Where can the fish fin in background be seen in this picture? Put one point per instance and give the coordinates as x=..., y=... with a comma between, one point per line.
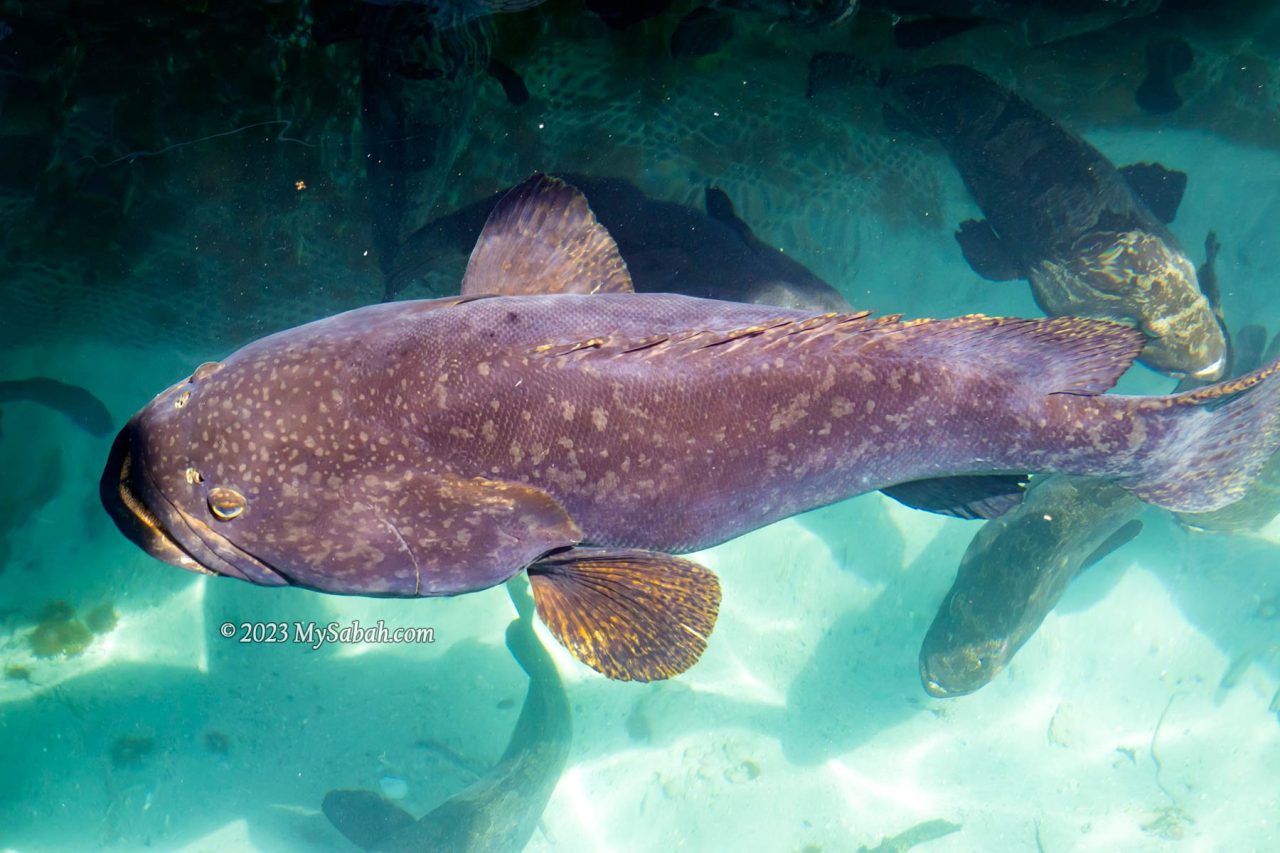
x=513, y=85
x=1220, y=437
x=920, y=33
x=1166, y=59
x=1114, y=542
x=620, y=14
x=969, y=497
x=1273, y=350
x=1160, y=188
x=543, y=238
x=1247, y=347
x=831, y=71
x=364, y=817
x=80, y=405
x=985, y=253
x=1207, y=274
x=632, y=615
x=720, y=208
x=703, y=32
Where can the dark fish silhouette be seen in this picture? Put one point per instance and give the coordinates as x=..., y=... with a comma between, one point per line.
x=449, y=14
x=702, y=32
x=1038, y=22
x=668, y=248
x=581, y=433
x=499, y=812
x=1166, y=59
x=1013, y=573
x=1018, y=566
x=1091, y=239
x=80, y=405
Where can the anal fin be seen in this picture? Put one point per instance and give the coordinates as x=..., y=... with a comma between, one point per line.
x=986, y=254
x=966, y=496
x=632, y=615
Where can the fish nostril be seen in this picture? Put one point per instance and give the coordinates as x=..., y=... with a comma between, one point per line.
x=182, y=399
x=194, y=477
x=225, y=503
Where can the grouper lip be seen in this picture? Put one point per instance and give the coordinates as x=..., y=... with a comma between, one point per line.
x=146, y=515
x=119, y=495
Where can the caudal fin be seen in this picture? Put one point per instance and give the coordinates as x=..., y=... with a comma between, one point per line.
x=1222, y=437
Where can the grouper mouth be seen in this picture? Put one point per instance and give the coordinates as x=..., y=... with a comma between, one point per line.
x=149, y=519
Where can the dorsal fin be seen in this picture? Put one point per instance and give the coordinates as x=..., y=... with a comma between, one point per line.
x=543, y=238
x=1059, y=355
x=720, y=208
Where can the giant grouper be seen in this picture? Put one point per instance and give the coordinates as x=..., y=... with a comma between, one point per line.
x=549, y=420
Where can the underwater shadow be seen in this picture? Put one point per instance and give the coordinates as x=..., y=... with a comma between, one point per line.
x=245, y=752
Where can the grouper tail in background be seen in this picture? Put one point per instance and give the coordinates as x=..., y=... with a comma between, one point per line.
x=1221, y=438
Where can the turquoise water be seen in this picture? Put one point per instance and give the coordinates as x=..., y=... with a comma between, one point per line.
x=179, y=184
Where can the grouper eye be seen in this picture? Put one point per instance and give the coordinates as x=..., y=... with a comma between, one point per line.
x=225, y=503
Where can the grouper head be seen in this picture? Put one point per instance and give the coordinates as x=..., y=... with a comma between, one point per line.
x=276, y=466
x=157, y=494
x=956, y=666
x=1145, y=280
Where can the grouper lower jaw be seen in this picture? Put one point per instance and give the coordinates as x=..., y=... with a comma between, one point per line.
x=120, y=498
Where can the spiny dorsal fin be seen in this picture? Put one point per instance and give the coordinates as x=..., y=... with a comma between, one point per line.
x=784, y=331
x=543, y=238
x=1060, y=355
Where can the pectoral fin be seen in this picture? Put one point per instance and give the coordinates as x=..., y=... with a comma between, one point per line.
x=543, y=238
x=410, y=533
x=974, y=496
x=1160, y=188
x=986, y=252
x=631, y=615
